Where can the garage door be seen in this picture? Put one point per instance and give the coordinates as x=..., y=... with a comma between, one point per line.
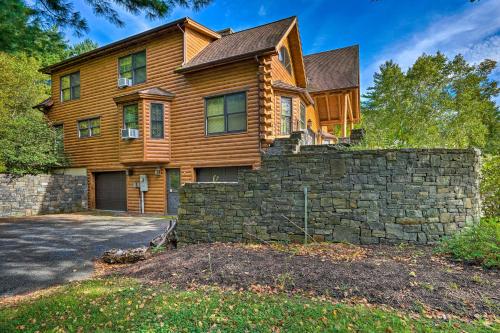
x=110, y=191
x=220, y=174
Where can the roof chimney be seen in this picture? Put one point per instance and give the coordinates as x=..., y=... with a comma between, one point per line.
x=225, y=32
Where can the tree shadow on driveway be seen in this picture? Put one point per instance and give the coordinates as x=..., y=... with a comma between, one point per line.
x=38, y=252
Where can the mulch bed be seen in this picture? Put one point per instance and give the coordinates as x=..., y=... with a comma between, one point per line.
x=409, y=278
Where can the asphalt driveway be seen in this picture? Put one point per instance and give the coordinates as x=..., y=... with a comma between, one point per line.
x=41, y=251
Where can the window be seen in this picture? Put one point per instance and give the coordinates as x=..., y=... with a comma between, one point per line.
x=59, y=139
x=226, y=114
x=286, y=115
x=302, y=119
x=70, y=86
x=133, y=67
x=284, y=57
x=89, y=127
x=157, y=121
x=130, y=116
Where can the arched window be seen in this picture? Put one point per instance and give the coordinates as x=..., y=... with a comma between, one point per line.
x=284, y=57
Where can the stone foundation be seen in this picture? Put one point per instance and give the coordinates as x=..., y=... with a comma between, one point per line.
x=367, y=197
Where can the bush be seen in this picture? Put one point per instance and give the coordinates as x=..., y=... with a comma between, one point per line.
x=490, y=185
x=28, y=146
x=477, y=244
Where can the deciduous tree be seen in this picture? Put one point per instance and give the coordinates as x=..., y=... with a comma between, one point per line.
x=437, y=102
x=27, y=140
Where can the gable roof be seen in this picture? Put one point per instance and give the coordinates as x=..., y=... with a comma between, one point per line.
x=280, y=85
x=153, y=93
x=331, y=70
x=45, y=105
x=132, y=40
x=240, y=45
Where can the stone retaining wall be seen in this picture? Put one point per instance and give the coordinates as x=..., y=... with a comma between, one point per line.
x=368, y=197
x=41, y=194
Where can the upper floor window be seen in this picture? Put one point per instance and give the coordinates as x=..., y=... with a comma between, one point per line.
x=89, y=127
x=70, y=86
x=133, y=67
x=284, y=57
x=157, y=122
x=130, y=116
x=226, y=113
x=302, y=119
x=286, y=115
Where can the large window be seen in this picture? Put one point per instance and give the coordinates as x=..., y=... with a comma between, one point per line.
x=302, y=119
x=226, y=114
x=130, y=116
x=286, y=115
x=157, y=124
x=284, y=57
x=70, y=86
x=89, y=127
x=134, y=67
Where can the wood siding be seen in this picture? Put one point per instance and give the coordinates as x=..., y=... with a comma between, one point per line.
x=155, y=149
x=154, y=198
x=195, y=42
x=186, y=144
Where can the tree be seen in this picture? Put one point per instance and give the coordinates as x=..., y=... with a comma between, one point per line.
x=437, y=102
x=62, y=13
x=20, y=31
x=84, y=46
x=27, y=141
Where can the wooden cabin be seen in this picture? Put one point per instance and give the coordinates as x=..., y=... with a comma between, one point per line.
x=183, y=103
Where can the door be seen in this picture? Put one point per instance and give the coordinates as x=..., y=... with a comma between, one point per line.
x=110, y=191
x=173, y=184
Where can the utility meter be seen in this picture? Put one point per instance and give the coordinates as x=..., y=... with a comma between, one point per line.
x=143, y=183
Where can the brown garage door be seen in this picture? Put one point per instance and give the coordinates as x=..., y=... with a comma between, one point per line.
x=219, y=174
x=110, y=191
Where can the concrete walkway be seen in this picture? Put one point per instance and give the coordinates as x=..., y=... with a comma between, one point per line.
x=37, y=252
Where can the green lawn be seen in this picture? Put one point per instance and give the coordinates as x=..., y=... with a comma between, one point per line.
x=111, y=305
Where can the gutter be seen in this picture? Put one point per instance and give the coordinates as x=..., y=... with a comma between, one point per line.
x=118, y=45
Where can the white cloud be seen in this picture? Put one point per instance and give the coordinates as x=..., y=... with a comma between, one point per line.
x=262, y=11
x=474, y=32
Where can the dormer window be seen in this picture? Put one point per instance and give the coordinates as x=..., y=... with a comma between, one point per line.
x=284, y=58
x=133, y=67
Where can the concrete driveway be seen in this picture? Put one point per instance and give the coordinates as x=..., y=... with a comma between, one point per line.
x=37, y=252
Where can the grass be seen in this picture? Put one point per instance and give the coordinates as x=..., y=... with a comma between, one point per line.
x=118, y=305
x=478, y=244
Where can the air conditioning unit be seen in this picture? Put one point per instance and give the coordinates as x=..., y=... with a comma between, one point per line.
x=124, y=82
x=130, y=133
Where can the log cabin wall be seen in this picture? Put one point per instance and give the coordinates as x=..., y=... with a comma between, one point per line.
x=187, y=145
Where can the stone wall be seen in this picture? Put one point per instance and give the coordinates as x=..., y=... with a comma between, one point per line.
x=41, y=194
x=368, y=197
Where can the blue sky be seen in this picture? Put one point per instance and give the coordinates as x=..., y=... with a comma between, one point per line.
x=385, y=29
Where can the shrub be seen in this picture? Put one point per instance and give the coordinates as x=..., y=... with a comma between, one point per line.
x=490, y=185
x=477, y=244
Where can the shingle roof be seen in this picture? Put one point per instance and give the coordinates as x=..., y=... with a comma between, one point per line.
x=240, y=44
x=45, y=104
x=289, y=87
x=335, y=69
x=156, y=91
